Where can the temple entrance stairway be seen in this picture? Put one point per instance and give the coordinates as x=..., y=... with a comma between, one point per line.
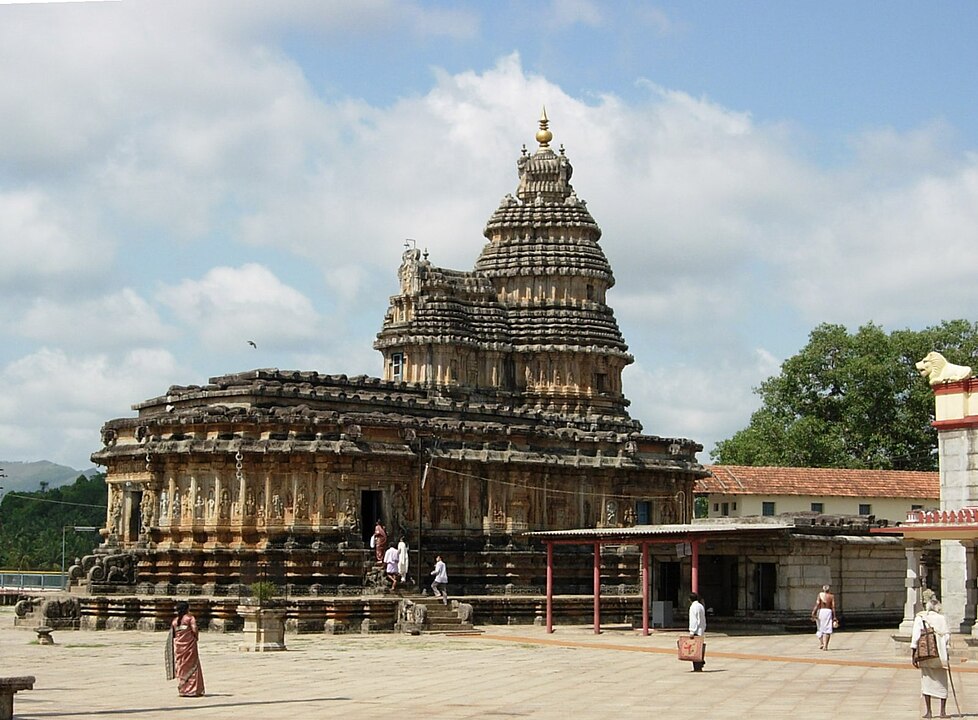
x=441, y=619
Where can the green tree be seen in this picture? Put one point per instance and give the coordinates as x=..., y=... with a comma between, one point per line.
x=851, y=400
x=31, y=524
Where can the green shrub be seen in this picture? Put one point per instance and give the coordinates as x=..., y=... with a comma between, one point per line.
x=263, y=591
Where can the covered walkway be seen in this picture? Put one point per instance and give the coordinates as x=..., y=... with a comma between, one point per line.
x=685, y=537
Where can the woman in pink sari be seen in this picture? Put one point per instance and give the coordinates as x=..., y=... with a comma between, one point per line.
x=185, y=661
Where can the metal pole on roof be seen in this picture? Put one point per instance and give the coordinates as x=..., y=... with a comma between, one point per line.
x=550, y=587
x=597, y=587
x=646, y=576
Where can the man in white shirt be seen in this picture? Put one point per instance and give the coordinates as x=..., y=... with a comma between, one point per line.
x=440, y=584
x=697, y=625
x=390, y=562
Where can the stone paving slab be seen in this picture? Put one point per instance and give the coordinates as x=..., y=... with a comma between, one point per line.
x=509, y=672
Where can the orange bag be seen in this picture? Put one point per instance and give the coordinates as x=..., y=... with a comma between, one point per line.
x=691, y=648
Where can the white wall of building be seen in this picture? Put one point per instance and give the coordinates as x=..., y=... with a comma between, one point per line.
x=890, y=509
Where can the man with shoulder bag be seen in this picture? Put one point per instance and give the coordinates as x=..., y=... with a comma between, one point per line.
x=929, y=645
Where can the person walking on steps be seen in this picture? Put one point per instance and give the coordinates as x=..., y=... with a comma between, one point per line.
x=440, y=584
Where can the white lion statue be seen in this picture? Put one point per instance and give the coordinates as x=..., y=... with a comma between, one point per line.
x=937, y=370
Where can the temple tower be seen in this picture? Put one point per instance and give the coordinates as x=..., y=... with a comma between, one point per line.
x=531, y=321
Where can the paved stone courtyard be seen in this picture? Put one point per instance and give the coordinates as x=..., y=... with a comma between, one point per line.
x=509, y=672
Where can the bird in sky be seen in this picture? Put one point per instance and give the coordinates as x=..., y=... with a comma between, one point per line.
x=252, y=343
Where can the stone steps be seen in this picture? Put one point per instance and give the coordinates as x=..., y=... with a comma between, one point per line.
x=442, y=619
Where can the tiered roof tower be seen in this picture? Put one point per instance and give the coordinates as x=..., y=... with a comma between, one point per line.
x=531, y=320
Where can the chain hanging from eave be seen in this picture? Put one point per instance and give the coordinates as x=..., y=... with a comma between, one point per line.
x=238, y=467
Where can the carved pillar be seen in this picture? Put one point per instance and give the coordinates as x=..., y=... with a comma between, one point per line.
x=911, y=604
x=242, y=487
x=321, y=500
x=218, y=498
x=172, y=493
x=295, y=496
x=194, y=496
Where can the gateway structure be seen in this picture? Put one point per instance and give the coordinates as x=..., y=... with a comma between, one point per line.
x=500, y=411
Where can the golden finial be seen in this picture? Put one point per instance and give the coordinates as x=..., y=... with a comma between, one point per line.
x=544, y=136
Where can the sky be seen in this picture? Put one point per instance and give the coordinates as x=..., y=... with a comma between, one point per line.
x=178, y=178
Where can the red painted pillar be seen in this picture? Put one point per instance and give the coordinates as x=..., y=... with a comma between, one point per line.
x=695, y=580
x=597, y=588
x=550, y=587
x=646, y=576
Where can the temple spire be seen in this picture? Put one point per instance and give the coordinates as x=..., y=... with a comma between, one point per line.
x=544, y=136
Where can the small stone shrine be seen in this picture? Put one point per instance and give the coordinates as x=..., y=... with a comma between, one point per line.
x=500, y=410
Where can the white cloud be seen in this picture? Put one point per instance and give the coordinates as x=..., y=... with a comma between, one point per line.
x=43, y=244
x=656, y=18
x=121, y=319
x=54, y=403
x=899, y=256
x=229, y=306
x=572, y=12
x=705, y=402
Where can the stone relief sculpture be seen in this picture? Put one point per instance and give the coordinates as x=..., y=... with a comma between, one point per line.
x=329, y=500
x=225, y=504
x=176, y=504
x=250, y=504
x=667, y=512
x=278, y=508
x=115, y=512
x=937, y=370
x=164, y=506
x=119, y=568
x=398, y=513
x=351, y=516
x=146, y=505
x=611, y=514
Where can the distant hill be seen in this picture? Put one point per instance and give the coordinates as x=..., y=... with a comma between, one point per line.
x=28, y=476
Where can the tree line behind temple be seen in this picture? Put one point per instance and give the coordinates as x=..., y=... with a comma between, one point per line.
x=31, y=524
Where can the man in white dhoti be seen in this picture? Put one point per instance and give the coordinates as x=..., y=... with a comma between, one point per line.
x=933, y=673
x=824, y=616
x=402, y=559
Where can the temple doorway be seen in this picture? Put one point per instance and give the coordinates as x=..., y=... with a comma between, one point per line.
x=667, y=582
x=371, y=502
x=135, y=516
x=718, y=583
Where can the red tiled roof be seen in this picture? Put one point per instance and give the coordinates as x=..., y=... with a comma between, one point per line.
x=827, y=482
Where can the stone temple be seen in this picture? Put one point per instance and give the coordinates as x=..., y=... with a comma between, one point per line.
x=500, y=410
